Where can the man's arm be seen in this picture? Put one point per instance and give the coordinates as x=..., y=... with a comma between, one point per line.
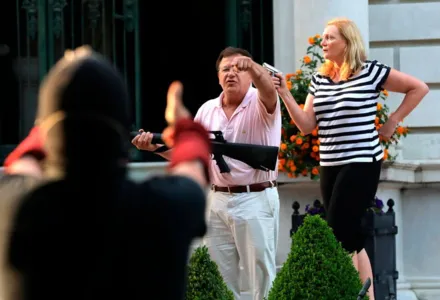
x=261, y=79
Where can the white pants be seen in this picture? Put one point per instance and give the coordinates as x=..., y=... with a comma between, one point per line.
x=243, y=228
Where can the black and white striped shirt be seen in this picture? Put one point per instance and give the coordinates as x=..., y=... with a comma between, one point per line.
x=345, y=113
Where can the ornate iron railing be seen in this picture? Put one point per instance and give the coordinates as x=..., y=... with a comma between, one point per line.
x=46, y=28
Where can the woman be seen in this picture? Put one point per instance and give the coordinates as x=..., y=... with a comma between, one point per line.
x=342, y=101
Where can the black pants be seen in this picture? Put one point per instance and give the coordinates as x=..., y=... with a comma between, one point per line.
x=347, y=192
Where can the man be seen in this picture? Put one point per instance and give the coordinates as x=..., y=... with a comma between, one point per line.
x=243, y=204
x=89, y=232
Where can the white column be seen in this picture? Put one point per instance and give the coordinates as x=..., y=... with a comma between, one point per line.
x=284, y=38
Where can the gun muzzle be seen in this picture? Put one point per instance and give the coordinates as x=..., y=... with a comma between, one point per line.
x=271, y=69
x=157, y=137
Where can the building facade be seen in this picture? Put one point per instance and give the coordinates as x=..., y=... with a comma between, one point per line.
x=406, y=36
x=402, y=34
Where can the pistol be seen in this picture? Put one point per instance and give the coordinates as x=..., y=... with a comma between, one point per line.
x=271, y=69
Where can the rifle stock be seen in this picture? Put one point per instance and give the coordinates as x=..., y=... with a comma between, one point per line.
x=259, y=157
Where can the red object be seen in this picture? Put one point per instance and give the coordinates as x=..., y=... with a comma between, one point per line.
x=31, y=145
x=191, y=142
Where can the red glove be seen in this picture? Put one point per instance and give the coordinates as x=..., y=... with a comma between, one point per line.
x=31, y=145
x=191, y=142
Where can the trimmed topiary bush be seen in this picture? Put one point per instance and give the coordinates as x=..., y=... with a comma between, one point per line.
x=204, y=279
x=317, y=267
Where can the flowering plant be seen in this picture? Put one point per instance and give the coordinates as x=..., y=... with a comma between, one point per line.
x=317, y=208
x=377, y=205
x=299, y=153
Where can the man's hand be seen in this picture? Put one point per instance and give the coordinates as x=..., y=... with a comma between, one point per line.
x=143, y=141
x=242, y=63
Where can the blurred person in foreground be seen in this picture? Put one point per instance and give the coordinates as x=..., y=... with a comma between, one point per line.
x=88, y=232
x=342, y=102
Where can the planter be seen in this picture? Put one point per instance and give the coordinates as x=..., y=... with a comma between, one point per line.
x=381, y=229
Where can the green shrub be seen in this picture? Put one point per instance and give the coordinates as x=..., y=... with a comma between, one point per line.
x=317, y=267
x=204, y=279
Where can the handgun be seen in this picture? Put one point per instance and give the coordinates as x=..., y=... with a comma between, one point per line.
x=271, y=69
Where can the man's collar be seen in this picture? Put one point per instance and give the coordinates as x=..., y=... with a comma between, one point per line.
x=244, y=102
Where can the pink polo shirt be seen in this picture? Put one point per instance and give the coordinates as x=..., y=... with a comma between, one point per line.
x=250, y=124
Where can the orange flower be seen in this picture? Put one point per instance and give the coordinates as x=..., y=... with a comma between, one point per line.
x=315, y=171
x=307, y=59
x=289, y=85
x=317, y=36
x=385, y=154
x=311, y=40
x=283, y=147
x=314, y=132
x=288, y=76
x=299, y=141
x=376, y=121
x=302, y=106
x=315, y=148
x=298, y=72
x=306, y=145
x=292, y=138
x=385, y=92
x=400, y=130
x=379, y=106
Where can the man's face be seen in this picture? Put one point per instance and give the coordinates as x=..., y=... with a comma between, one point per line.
x=231, y=80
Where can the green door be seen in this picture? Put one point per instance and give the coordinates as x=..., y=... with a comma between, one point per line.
x=46, y=28
x=111, y=27
x=249, y=26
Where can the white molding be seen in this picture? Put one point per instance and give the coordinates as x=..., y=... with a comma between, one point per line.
x=411, y=174
x=423, y=282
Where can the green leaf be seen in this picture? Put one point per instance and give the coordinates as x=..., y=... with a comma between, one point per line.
x=204, y=279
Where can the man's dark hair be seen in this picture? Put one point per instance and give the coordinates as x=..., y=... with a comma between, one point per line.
x=229, y=51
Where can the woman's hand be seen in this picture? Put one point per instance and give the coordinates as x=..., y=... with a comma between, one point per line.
x=280, y=83
x=388, y=129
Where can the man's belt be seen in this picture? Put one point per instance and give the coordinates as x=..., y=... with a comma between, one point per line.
x=256, y=187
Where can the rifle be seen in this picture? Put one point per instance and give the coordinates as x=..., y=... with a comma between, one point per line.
x=259, y=157
x=364, y=289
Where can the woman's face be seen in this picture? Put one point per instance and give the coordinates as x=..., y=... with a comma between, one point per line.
x=333, y=44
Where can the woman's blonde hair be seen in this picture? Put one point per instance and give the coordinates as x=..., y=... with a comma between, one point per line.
x=354, y=53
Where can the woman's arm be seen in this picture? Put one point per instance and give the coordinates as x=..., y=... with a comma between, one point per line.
x=414, y=89
x=304, y=119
